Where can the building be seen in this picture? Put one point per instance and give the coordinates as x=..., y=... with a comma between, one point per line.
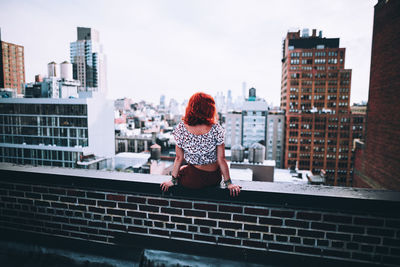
x=88, y=60
x=315, y=93
x=233, y=128
x=12, y=66
x=58, y=84
x=56, y=132
x=254, y=120
x=377, y=163
x=274, y=149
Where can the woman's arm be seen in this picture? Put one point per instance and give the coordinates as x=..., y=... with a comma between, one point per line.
x=234, y=189
x=178, y=161
x=177, y=164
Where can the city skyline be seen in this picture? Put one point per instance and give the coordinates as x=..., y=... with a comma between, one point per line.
x=179, y=48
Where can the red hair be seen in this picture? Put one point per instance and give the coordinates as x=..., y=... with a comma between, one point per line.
x=200, y=110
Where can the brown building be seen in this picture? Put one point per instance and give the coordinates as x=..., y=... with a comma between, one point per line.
x=315, y=93
x=377, y=162
x=12, y=66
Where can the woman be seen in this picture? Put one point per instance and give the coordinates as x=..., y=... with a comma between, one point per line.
x=200, y=141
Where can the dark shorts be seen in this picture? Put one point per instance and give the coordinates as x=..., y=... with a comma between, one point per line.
x=191, y=177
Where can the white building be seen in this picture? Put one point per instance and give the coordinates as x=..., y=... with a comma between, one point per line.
x=233, y=129
x=275, y=137
x=254, y=125
x=56, y=132
x=88, y=60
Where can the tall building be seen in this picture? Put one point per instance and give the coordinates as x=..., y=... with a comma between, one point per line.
x=254, y=120
x=12, y=66
x=377, y=162
x=233, y=128
x=88, y=60
x=56, y=132
x=315, y=94
x=274, y=148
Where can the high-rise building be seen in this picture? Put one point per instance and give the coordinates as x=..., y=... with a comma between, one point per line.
x=12, y=66
x=274, y=148
x=377, y=162
x=56, y=132
x=315, y=93
x=88, y=60
x=233, y=128
x=254, y=120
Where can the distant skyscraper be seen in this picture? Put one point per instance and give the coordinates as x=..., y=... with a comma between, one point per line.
x=244, y=86
x=377, y=164
x=88, y=60
x=315, y=93
x=12, y=66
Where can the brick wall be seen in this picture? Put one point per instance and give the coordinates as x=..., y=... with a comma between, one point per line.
x=381, y=156
x=81, y=208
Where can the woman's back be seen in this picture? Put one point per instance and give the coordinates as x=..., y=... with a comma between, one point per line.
x=199, y=142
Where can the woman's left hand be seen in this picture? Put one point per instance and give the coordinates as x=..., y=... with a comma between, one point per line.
x=234, y=190
x=165, y=185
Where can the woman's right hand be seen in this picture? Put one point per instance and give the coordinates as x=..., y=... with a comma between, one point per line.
x=165, y=185
x=234, y=190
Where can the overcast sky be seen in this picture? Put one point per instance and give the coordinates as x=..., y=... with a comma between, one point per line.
x=178, y=47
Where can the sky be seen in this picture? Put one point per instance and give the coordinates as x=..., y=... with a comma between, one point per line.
x=179, y=47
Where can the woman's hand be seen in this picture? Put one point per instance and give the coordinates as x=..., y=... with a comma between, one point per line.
x=165, y=185
x=234, y=190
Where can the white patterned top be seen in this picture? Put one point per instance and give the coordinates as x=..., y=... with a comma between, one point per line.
x=199, y=149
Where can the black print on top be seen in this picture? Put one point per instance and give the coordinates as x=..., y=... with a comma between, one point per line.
x=199, y=149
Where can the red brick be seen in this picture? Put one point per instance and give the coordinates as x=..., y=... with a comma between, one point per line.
x=158, y=217
x=201, y=206
x=129, y=206
x=158, y=202
x=133, y=199
x=171, y=211
x=181, y=204
x=244, y=218
x=256, y=211
x=308, y=250
x=194, y=213
x=205, y=222
x=270, y=221
x=282, y=213
x=228, y=208
x=229, y=225
x=121, y=198
x=217, y=215
x=149, y=208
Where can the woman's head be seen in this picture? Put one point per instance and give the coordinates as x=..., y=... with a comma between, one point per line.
x=200, y=110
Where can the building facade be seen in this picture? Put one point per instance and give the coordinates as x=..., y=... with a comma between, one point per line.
x=315, y=94
x=254, y=120
x=12, y=66
x=274, y=149
x=88, y=60
x=55, y=132
x=233, y=128
x=377, y=162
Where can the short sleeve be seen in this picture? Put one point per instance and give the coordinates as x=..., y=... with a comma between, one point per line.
x=219, y=134
x=177, y=133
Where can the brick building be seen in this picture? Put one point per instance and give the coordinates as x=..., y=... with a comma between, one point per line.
x=377, y=162
x=12, y=66
x=315, y=93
